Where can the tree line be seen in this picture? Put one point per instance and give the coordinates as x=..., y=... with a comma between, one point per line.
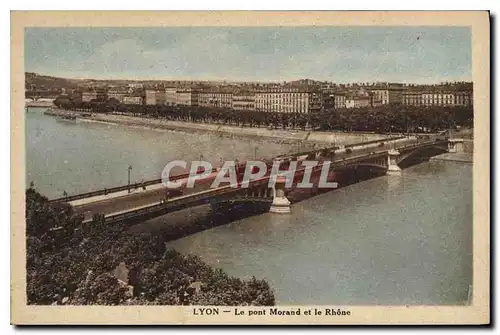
x=386, y=118
x=69, y=263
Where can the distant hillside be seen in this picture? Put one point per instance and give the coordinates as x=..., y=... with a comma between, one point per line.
x=42, y=83
x=47, y=82
x=38, y=82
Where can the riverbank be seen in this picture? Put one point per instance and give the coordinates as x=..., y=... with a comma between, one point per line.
x=459, y=157
x=275, y=135
x=39, y=104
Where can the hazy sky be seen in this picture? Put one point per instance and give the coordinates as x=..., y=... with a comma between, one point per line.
x=339, y=54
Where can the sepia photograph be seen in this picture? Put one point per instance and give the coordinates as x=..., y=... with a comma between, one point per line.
x=246, y=167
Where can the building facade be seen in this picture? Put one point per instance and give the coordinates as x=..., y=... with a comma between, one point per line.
x=357, y=101
x=186, y=97
x=88, y=96
x=334, y=100
x=102, y=94
x=160, y=97
x=463, y=99
x=116, y=95
x=376, y=101
x=150, y=97
x=243, y=101
x=339, y=101
x=135, y=85
x=381, y=95
x=388, y=94
x=170, y=96
x=220, y=99
x=288, y=100
x=412, y=98
x=438, y=99
x=445, y=98
x=99, y=94
x=134, y=100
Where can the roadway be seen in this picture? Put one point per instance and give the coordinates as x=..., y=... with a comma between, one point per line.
x=123, y=200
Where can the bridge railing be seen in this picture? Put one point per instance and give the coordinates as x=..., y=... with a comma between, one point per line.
x=336, y=147
x=118, y=189
x=158, y=181
x=422, y=143
x=206, y=194
x=185, y=200
x=181, y=200
x=379, y=153
x=375, y=141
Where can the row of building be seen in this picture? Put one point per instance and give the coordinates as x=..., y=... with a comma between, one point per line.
x=438, y=98
x=397, y=95
x=281, y=100
x=291, y=100
x=303, y=99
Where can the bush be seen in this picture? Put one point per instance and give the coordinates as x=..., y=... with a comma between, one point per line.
x=73, y=265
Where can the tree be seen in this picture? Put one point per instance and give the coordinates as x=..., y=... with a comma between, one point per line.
x=384, y=118
x=102, y=289
x=61, y=101
x=72, y=263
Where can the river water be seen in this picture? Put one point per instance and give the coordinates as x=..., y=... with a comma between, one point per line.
x=82, y=156
x=389, y=240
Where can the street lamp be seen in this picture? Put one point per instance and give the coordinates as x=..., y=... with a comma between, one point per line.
x=129, y=169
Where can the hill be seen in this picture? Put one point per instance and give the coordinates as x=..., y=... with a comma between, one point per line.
x=40, y=82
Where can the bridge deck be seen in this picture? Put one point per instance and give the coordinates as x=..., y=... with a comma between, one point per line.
x=114, y=195
x=153, y=197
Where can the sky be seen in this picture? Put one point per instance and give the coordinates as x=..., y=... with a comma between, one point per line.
x=338, y=54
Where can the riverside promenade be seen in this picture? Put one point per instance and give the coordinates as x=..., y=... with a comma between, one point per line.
x=274, y=135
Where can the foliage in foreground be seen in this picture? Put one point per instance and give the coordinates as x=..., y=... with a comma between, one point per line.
x=68, y=263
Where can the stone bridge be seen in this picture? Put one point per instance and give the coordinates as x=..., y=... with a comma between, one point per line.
x=386, y=157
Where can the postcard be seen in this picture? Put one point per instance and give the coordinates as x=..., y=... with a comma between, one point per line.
x=238, y=168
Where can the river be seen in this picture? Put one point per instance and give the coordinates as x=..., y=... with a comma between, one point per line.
x=389, y=240
x=82, y=156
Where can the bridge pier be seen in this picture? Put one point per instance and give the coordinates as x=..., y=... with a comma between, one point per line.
x=280, y=203
x=392, y=167
x=456, y=145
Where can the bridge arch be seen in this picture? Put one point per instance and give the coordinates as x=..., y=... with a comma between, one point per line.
x=373, y=165
x=378, y=162
x=433, y=149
